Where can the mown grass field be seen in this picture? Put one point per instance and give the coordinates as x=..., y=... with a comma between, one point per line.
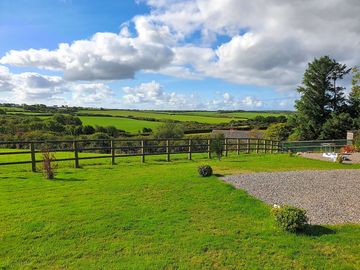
x=163, y=116
x=250, y=115
x=127, y=124
x=234, y=115
x=11, y=109
x=158, y=215
x=210, y=117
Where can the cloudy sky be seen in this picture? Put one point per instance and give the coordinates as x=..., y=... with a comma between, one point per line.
x=169, y=54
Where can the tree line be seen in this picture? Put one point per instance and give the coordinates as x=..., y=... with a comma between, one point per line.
x=57, y=127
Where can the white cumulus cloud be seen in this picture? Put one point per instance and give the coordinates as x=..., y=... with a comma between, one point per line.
x=106, y=56
x=226, y=101
x=92, y=94
x=31, y=87
x=269, y=42
x=152, y=93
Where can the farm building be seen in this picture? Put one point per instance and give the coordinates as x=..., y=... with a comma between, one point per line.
x=233, y=133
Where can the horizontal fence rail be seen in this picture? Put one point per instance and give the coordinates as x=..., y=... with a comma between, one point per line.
x=117, y=148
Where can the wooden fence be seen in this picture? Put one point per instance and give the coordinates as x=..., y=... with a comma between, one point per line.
x=117, y=148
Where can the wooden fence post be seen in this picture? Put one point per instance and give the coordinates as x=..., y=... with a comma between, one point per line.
x=247, y=146
x=33, y=158
x=112, y=145
x=257, y=145
x=142, y=151
x=167, y=150
x=189, y=149
x=76, y=154
x=226, y=147
x=209, y=148
x=271, y=146
x=265, y=146
x=238, y=146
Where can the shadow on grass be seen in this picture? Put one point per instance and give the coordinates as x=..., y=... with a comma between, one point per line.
x=218, y=175
x=316, y=230
x=13, y=178
x=235, y=161
x=67, y=179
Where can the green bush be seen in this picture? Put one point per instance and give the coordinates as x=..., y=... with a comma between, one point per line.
x=357, y=141
x=290, y=218
x=169, y=130
x=205, y=170
x=277, y=132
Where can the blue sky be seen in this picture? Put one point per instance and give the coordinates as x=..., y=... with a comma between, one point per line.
x=44, y=24
x=166, y=54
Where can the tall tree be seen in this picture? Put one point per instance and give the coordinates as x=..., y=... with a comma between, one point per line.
x=354, y=96
x=319, y=96
x=336, y=92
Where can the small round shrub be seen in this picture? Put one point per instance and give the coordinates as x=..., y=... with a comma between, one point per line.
x=205, y=170
x=290, y=218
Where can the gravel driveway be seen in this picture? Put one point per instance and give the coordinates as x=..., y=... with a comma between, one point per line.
x=330, y=197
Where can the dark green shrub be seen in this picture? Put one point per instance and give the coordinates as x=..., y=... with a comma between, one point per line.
x=290, y=218
x=357, y=141
x=88, y=130
x=169, y=130
x=205, y=170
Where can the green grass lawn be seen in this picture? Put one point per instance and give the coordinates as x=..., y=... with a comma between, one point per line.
x=158, y=215
x=129, y=125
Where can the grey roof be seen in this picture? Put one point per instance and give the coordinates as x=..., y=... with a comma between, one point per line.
x=233, y=133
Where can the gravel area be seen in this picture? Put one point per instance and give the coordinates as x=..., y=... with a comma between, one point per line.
x=330, y=197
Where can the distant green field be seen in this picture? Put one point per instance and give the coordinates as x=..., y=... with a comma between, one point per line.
x=11, y=109
x=164, y=116
x=240, y=115
x=251, y=115
x=129, y=125
x=208, y=117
